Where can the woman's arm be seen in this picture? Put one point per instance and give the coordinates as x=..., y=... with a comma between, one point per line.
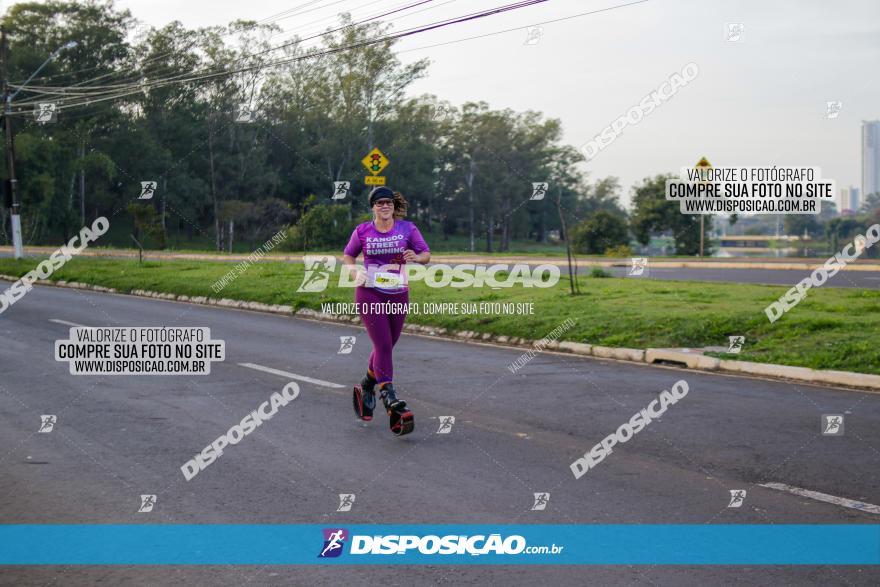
x=411, y=256
x=417, y=242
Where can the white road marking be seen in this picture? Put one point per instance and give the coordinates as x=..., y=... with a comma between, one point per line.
x=841, y=501
x=65, y=322
x=289, y=375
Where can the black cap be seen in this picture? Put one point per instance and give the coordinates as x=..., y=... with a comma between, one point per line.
x=379, y=193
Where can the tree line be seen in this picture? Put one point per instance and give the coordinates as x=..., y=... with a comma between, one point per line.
x=242, y=131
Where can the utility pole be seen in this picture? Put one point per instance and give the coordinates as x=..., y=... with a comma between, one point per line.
x=12, y=182
x=702, y=232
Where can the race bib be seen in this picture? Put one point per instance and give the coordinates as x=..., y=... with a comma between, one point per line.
x=387, y=280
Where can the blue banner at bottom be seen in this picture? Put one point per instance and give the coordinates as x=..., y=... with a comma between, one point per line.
x=248, y=544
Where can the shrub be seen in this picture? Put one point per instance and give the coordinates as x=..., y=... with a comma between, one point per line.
x=599, y=232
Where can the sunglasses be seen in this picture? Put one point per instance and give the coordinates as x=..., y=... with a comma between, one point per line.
x=383, y=203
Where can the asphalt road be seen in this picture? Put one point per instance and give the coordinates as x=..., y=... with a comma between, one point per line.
x=118, y=437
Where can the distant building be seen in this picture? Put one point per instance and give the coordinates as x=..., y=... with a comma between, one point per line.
x=870, y=158
x=848, y=201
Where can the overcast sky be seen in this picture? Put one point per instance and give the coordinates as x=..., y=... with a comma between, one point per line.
x=760, y=101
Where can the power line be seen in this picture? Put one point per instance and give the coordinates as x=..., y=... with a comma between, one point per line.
x=137, y=88
x=265, y=22
x=128, y=89
x=181, y=78
x=598, y=10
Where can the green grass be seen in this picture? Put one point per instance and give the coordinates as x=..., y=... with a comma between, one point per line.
x=833, y=328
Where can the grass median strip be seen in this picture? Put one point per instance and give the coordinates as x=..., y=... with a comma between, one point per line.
x=833, y=328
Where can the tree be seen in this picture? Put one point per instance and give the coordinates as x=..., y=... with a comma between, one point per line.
x=322, y=226
x=798, y=224
x=840, y=229
x=146, y=223
x=160, y=106
x=653, y=214
x=53, y=191
x=600, y=232
x=871, y=204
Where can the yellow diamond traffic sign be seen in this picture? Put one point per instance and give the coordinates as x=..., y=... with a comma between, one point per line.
x=701, y=167
x=375, y=162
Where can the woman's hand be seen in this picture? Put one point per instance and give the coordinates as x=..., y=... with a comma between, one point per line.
x=357, y=274
x=411, y=256
x=360, y=277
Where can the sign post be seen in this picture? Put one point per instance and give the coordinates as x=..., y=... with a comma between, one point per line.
x=701, y=166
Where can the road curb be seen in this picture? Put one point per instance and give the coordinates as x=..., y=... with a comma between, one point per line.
x=691, y=360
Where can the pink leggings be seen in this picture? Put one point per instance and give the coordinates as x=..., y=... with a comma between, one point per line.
x=384, y=328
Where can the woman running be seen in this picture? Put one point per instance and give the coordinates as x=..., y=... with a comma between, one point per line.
x=388, y=243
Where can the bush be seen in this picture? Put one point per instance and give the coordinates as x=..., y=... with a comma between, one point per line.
x=599, y=272
x=598, y=233
x=323, y=226
x=619, y=251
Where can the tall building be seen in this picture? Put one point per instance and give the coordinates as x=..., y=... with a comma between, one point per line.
x=870, y=157
x=848, y=200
